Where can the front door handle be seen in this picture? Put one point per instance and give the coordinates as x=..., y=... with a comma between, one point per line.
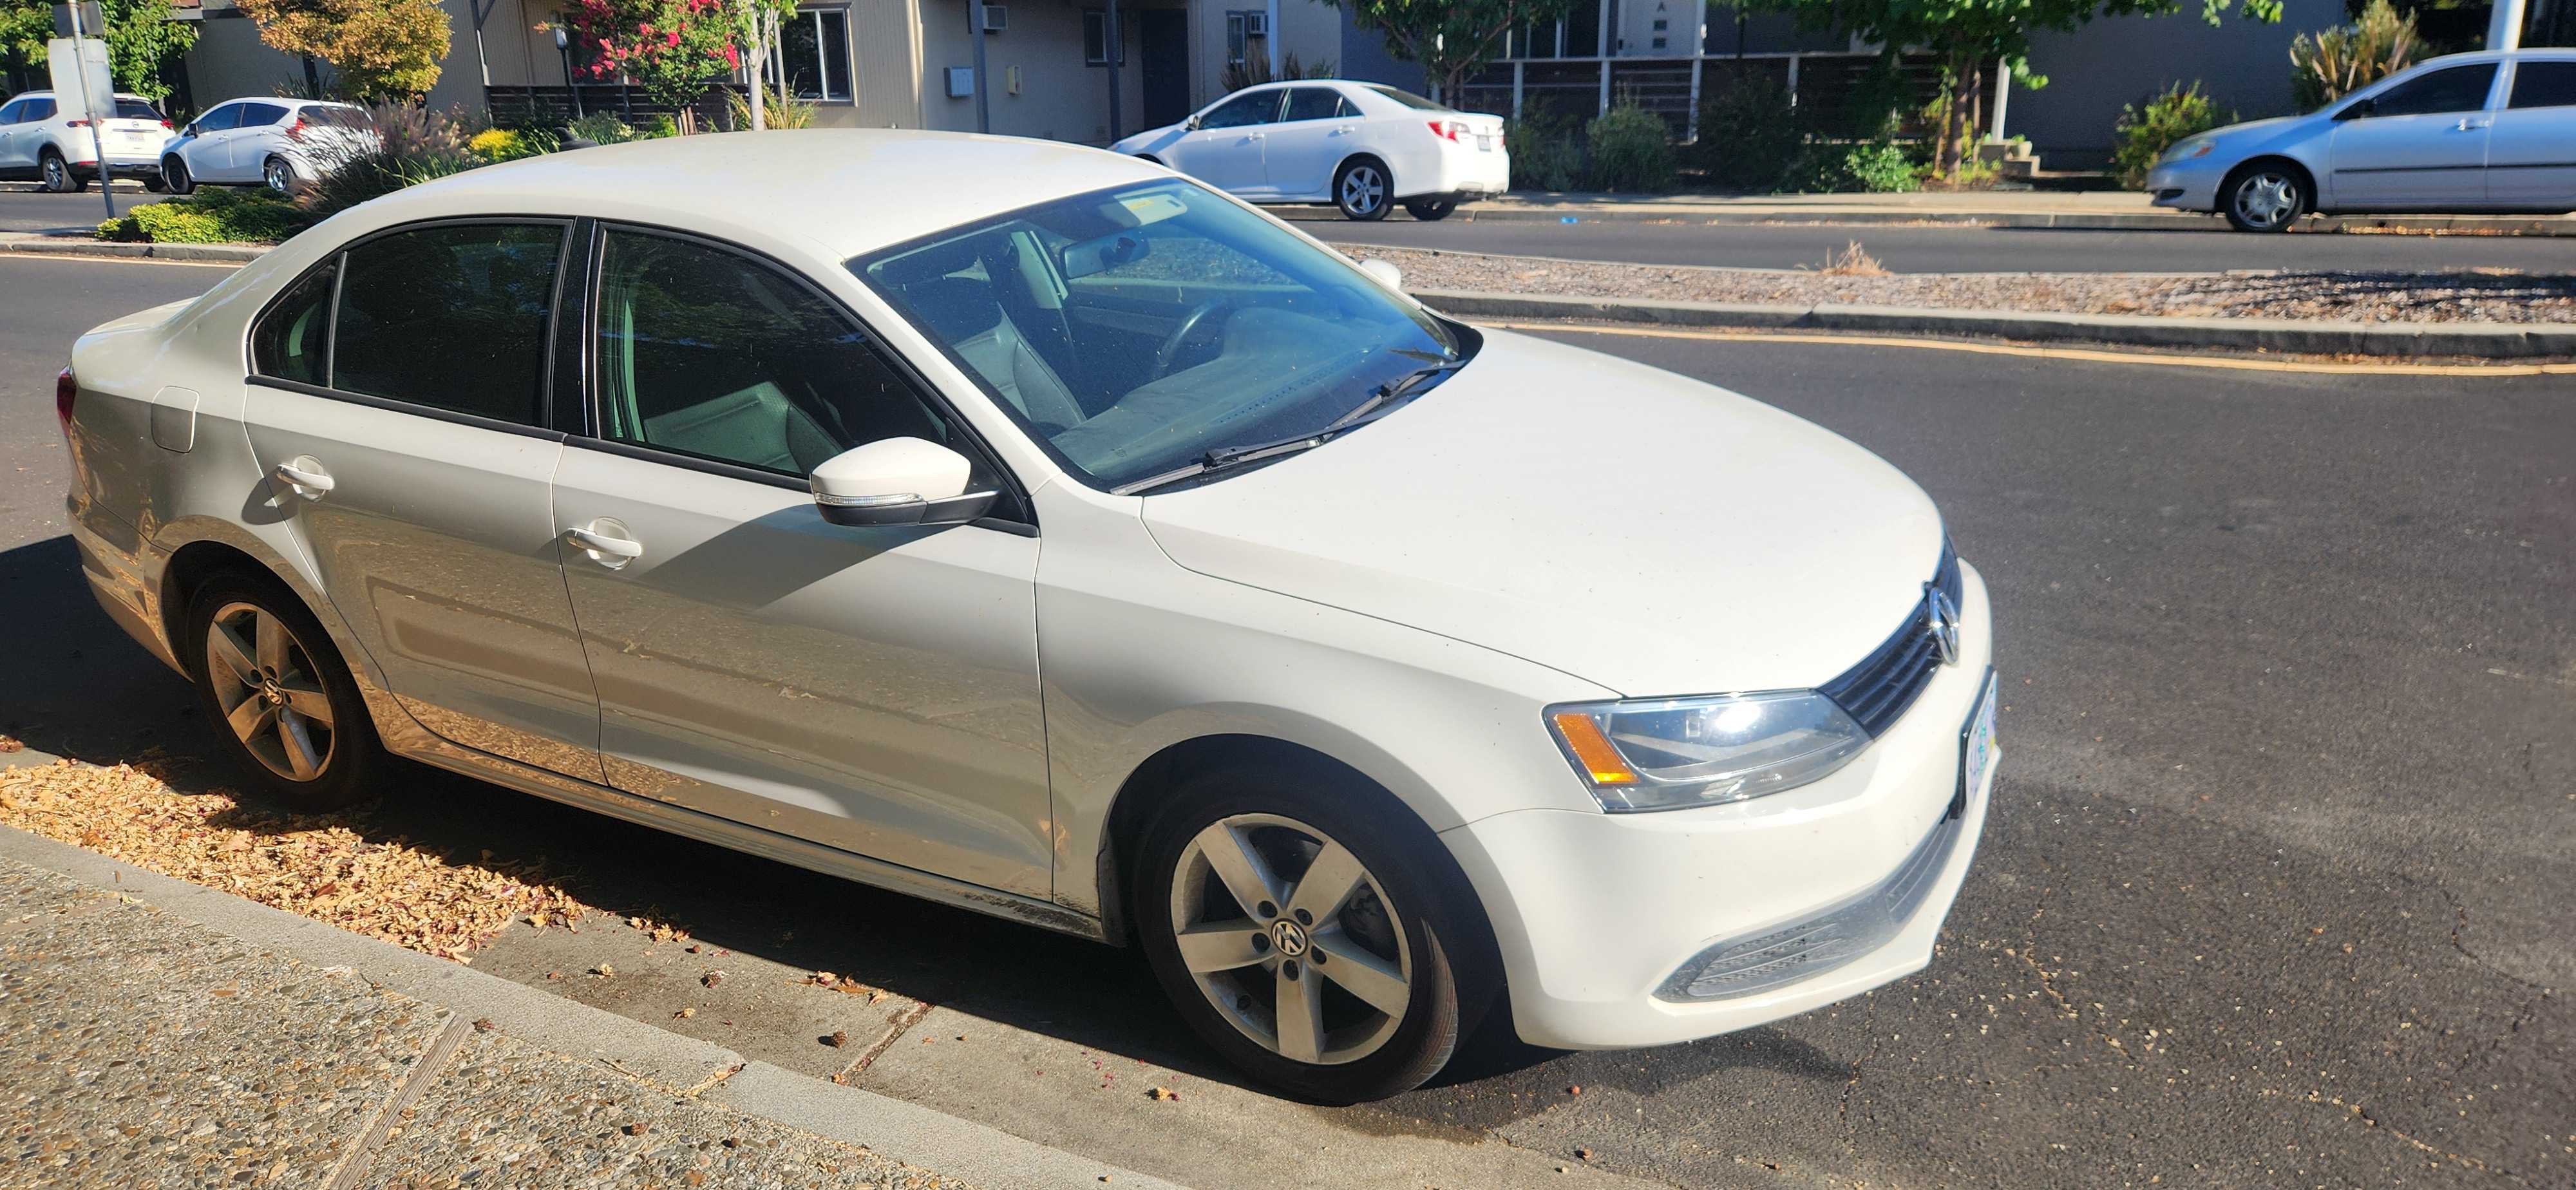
x=606, y=542
x=304, y=474
x=2469, y=125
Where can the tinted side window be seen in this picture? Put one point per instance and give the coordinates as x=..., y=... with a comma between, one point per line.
x=2544, y=84
x=1244, y=110
x=713, y=354
x=222, y=117
x=38, y=110
x=1313, y=103
x=9, y=111
x=292, y=343
x=2457, y=89
x=450, y=317
x=259, y=115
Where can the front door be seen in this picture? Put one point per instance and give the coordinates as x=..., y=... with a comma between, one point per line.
x=205, y=153
x=1225, y=150
x=13, y=161
x=2420, y=145
x=2531, y=155
x=870, y=689
x=1165, y=59
x=1315, y=131
x=404, y=442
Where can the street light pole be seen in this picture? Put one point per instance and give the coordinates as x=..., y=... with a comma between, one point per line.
x=563, y=49
x=89, y=106
x=975, y=29
x=1109, y=33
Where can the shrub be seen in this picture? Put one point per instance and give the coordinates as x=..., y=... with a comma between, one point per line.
x=214, y=215
x=411, y=146
x=2143, y=134
x=602, y=128
x=1254, y=70
x=778, y=109
x=1632, y=150
x=502, y=144
x=2337, y=62
x=1547, y=151
x=1747, y=136
x=1876, y=166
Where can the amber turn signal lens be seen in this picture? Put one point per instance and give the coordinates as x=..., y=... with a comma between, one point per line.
x=1600, y=760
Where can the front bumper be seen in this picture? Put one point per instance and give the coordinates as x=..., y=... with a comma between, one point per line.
x=2186, y=185
x=1593, y=912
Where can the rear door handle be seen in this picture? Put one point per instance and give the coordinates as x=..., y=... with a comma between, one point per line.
x=305, y=475
x=606, y=542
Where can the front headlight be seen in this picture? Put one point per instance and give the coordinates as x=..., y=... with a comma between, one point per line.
x=1663, y=754
x=2188, y=148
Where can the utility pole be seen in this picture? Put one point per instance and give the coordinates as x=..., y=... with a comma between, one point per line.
x=1109, y=33
x=89, y=106
x=975, y=29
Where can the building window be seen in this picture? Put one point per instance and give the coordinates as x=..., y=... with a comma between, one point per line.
x=1095, y=39
x=1234, y=39
x=812, y=60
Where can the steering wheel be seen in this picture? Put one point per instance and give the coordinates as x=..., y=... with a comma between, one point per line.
x=1171, y=348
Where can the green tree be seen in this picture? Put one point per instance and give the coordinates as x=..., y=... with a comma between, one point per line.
x=384, y=50
x=1452, y=40
x=141, y=39
x=1965, y=35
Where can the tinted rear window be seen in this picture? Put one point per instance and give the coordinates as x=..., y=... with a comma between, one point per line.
x=136, y=109
x=2544, y=84
x=452, y=317
x=1411, y=100
x=338, y=117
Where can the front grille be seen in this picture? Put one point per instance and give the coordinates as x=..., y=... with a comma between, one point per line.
x=1879, y=689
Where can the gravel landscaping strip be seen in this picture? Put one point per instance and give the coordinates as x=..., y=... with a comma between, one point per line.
x=2475, y=296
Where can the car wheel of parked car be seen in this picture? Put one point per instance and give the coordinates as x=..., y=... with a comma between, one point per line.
x=1430, y=210
x=277, y=694
x=1362, y=190
x=57, y=175
x=1309, y=940
x=279, y=176
x=174, y=175
x=2265, y=196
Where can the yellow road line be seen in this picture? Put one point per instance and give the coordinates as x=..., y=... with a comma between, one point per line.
x=2086, y=355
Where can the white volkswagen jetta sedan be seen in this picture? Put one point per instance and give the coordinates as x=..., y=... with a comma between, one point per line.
x=1362, y=147
x=2468, y=132
x=1086, y=548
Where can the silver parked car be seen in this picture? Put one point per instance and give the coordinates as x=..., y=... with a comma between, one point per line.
x=2489, y=131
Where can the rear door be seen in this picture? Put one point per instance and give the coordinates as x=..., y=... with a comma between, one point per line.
x=870, y=689
x=2420, y=145
x=1316, y=129
x=246, y=148
x=2531, y=154
x=398, y=411
x=1225, y=150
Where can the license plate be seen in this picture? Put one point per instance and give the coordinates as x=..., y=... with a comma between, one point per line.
x=1976, y=746
x=1484, y=144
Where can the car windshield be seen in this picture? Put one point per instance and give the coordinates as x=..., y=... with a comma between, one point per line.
x=1135, y=330
x=1411, y=100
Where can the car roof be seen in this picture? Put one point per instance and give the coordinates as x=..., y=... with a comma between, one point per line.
x=47, y=93
x=848, y=191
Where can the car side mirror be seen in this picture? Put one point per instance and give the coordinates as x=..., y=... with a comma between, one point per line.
x=1384, y=274
x=898, y=481
x=1190, y=125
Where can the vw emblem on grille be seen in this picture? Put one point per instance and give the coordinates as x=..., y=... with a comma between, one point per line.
x=1941, y=619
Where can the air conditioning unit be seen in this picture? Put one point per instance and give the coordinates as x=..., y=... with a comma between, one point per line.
x=1256, y=24
x=997, y=17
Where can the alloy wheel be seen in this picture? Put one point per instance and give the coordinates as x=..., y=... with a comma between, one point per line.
x=276, y=175
x=2267, y=199
x=1291, y=938
x=58, y=176
x=269, y=691
x=1363, y=189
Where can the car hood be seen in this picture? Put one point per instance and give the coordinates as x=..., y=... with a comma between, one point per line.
x=1150, y=140
x=1637, y=529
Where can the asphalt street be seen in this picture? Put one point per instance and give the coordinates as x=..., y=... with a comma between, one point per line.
x=2277, y=891
x=1961, y=249
x=25, y=208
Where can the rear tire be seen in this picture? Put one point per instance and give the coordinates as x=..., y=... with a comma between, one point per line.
x=1405, y=934
x=155, y=184
x=1363, y=191
x=277, y=695
x=57, y=174
x=174, y=175
x=277, y=175
x=1430, y=210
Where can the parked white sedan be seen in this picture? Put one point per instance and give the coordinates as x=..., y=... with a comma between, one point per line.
x=1084, y=547
x=2468, y=132
x=1360, y=146
x=265, y=142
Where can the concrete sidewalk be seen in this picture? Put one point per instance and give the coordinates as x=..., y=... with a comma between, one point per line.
x=155, y=1032
x=2094, y=210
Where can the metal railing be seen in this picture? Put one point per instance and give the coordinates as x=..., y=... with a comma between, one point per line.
x=1672, y=87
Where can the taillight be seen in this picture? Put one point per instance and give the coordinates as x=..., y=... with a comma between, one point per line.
x=65, y=389
x=165, y=124
x=76, y=124
x=1448, y=129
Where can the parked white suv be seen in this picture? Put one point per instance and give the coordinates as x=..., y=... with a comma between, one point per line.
x=264, y=142
x=1360, y=146
x=39, y=142
x=1072, y=543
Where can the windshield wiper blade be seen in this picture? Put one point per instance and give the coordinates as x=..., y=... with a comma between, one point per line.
x=1222, y=457
x=1391, y=390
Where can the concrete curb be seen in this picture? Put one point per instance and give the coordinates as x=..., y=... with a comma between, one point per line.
x=2064, y=220
x=920, y=1136
x=2293, y=336
x=45, y=245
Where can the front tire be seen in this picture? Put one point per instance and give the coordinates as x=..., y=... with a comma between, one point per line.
x=174, y=174
x=2264, y=197
x=278, y=696
x=1317, y=942
x=1430, y=210
x=1363, y=190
